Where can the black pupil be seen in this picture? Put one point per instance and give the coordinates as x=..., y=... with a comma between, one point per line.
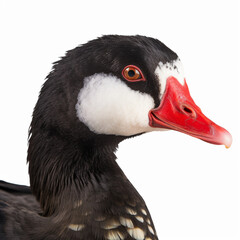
x=131, y=73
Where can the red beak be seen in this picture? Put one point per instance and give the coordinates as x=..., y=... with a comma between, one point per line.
x=178, y=111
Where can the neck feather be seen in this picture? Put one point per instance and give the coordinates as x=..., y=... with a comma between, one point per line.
x=62, y=171
x=80, y=187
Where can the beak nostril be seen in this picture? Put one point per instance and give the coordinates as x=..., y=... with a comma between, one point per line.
x=187, y=110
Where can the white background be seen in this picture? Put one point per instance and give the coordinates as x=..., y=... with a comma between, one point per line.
x=190, y=187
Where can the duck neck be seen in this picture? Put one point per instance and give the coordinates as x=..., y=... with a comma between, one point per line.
x=64, y=173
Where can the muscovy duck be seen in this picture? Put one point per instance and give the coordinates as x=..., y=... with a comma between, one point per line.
x=99, y=94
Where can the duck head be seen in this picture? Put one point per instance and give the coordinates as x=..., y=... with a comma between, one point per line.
x=122, y=86
x=140, y=87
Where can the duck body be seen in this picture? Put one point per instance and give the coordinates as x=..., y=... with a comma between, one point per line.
x=98, y=203
x=107, y=207
x=99, y=94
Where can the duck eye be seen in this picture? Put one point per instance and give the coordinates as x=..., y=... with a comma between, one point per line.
x=132, y=73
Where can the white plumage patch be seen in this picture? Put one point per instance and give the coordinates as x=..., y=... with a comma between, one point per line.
x=131, y=211
x=148, y=221
x=140, y=219
x=108, y=106
x=126, y=222
x=144, y=211
x=111, y=224
x=150, y=229
x=76, y=227
x=114, y=235
x=136, y=233
x=168, y=69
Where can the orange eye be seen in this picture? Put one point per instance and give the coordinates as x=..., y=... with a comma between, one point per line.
x=132, y=73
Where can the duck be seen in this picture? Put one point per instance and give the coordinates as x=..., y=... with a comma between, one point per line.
x=100, y=93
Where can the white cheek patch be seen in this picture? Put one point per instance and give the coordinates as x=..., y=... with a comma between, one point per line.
x=108, y=106
x=168, y=69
